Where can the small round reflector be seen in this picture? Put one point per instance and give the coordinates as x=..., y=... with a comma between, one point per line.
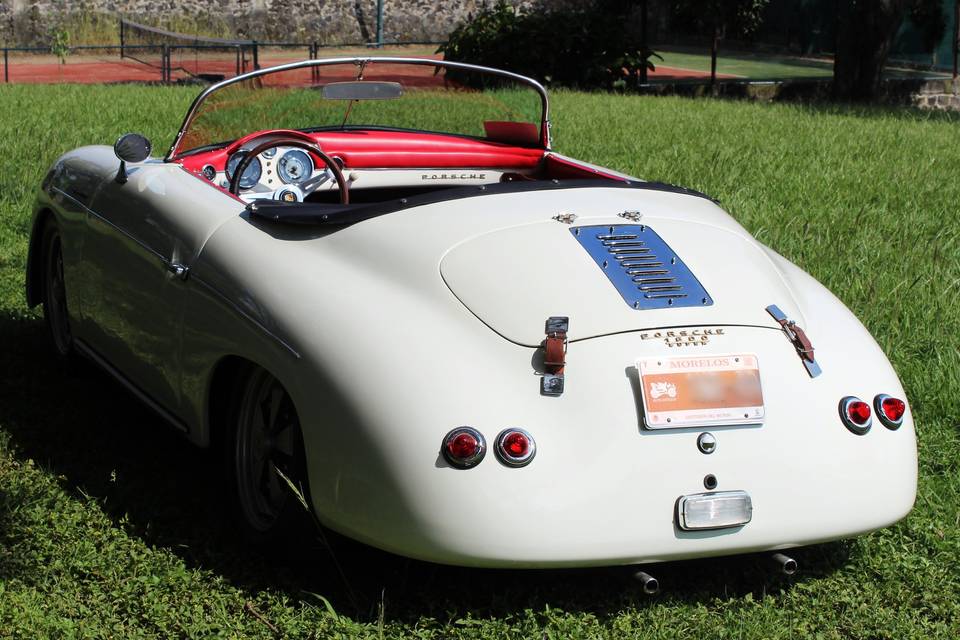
x=515, y=447
x=856, y=415
x=889, y=410
x=464, y=447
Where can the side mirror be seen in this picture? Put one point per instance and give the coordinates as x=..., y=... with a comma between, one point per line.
x=130, y=147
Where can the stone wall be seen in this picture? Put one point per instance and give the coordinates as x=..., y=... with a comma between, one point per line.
x=28, y=22
x=942, y=95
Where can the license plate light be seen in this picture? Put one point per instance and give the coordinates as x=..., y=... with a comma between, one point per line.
x=717, y=510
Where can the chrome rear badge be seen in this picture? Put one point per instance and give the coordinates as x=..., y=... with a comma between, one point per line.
x=684, y=337
x=453, y=176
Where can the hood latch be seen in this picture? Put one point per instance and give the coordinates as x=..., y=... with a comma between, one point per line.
x=554, y=355
x=799, y=338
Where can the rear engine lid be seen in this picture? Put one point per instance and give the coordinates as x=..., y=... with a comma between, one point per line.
x=615, y=278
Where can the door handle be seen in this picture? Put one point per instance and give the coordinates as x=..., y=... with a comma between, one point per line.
x=180, y=271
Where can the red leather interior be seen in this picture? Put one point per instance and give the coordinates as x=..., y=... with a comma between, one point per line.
x=393, y=149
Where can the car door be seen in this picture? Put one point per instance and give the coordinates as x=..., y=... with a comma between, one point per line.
x=142, y=237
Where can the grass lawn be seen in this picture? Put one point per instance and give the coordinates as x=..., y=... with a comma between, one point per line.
x=112, y=527
x=766, y=67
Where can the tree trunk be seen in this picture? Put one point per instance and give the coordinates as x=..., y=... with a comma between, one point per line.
x=643, y=41
x=956, y=37
x=713, y=59
x=865, y=32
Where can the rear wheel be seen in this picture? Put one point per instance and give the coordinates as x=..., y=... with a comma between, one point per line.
x=265, y=446
x=55, y=311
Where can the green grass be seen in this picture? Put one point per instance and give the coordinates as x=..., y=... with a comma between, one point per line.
x=111, y=525
x=765, y=67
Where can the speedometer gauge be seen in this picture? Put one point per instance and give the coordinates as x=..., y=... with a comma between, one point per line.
x=251, y=175
x=294, y=166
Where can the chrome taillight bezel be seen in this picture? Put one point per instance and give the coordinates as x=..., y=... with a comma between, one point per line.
x=463, y=463
x=893, y=425
x=859, y=429
x=510, y=460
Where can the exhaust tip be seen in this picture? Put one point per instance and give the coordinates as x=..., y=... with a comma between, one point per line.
x=788, y=566
x=647, y=582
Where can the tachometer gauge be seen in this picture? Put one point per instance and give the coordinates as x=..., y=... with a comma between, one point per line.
x=294, y=166
x=251, y=175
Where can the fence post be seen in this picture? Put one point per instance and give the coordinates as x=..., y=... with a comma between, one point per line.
x=256, y=56
x=121, y=37
x=6, y=65
x=165, y=63
x=379, y=24
x=238, y=60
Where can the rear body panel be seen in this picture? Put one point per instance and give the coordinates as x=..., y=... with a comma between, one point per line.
x=391, y=332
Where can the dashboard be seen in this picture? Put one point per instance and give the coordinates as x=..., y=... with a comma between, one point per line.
x=370, y=160
x=278, y=173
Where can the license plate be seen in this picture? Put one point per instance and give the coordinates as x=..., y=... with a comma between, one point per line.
x=694, y=391
x=718, y=510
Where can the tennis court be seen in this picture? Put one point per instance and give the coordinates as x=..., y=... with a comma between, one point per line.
x=756, y=66
x=110, y=68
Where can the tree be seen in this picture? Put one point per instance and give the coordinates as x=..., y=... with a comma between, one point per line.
x=60, y=46
x=721, y=19
x=865, y=33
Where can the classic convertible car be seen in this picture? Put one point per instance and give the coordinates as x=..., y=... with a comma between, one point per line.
x=373, y=277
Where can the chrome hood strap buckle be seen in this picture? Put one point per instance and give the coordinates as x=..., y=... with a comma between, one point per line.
x=798, y=338
x=554, y=355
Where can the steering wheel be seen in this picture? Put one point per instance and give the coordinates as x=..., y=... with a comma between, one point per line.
x=289, y=141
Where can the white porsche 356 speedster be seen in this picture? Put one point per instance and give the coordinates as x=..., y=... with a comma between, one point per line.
x=374, y=277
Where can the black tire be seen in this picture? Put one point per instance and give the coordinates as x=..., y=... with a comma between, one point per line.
x=263, y=436
x=55, y=311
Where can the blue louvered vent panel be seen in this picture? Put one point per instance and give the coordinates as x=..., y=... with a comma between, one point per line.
x=643, y=268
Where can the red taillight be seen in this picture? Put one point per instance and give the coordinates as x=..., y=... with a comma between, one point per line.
x=859, y=412
x=464, y=447
x=856, y=414
x=890, y=410
x=515, y=447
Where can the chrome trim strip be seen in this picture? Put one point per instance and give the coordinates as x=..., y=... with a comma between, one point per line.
x=244, y=314
x=641, y=261
x=624, y=243
x=321, y=62
x=88, y=352
x=653, y=288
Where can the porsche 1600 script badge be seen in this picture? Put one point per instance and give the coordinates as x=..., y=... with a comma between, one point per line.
x=700, y=390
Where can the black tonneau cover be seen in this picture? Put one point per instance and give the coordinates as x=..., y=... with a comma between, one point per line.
x=318, y=213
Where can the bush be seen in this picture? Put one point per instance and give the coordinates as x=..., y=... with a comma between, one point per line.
x=585, y=47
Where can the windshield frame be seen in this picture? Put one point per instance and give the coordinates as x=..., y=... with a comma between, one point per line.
x=172, y=154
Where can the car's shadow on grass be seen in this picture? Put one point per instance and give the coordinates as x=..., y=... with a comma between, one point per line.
x=78, y=424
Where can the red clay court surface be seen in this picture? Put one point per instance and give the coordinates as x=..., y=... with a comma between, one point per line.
x=111, y=69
